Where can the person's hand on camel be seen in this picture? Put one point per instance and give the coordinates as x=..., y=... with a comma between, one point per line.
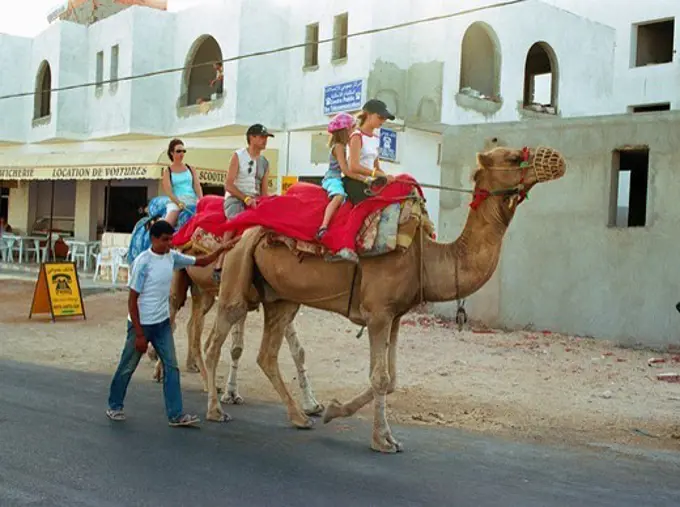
x=250, y=202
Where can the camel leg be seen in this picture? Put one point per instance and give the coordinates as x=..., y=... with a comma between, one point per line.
x=231, y=395
x=309, y=404
x=382, y=383
x=178, y=296
x=277, y=316
x=195, y=330
x=380, y=332
x=224, y=321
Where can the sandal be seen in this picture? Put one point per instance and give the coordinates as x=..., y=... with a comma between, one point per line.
x=321, y=232
x=115, y=415
x=184, y=420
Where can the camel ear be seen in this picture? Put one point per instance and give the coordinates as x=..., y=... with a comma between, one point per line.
x=484, y=160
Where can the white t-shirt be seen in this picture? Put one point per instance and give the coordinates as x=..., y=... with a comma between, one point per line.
x=151, y=277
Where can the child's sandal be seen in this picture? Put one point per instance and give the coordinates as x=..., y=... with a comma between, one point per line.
x=321, y=232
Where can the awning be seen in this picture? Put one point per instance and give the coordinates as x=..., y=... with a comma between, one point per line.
x=211, y=164
x=118, y=164
x=83, y=165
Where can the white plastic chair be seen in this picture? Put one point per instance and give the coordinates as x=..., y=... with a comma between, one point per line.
x=106, y=257
x=76, y=252
x=6, y=250
x=120, y=255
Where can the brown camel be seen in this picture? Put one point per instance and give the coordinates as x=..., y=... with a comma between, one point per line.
x=203, y=294
x=377, y=291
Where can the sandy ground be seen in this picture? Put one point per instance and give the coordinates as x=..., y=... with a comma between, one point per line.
x=534, y=386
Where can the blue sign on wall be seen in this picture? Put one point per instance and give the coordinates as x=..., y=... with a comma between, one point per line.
x=343, y=97
x=388, y=144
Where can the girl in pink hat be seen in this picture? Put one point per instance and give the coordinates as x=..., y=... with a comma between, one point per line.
x=339, y=128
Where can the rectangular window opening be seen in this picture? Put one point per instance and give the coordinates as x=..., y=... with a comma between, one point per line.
x=115, y=50
x=654, y=43
x=99, y=79
x=629, y=188
x=340, y=32
x=312, y=47
x=649, y=108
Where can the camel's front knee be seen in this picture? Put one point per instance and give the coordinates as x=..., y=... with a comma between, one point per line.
x=380, y=381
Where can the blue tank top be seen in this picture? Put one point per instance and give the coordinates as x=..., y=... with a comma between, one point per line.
x=182, y=183
x=333, y=166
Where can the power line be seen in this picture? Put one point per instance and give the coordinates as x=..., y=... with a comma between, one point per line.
x=269, y=51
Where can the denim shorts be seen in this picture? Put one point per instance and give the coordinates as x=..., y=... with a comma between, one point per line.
x=233, y=206
x=334, y=187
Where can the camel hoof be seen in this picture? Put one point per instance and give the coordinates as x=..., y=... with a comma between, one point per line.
x=307, y=424
x=192, y=368
x=232, y=399
x=315, y=411
x=387, y=445
x=332, y=411
x=221, y=417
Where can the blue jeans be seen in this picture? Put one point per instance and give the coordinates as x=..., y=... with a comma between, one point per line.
x=160, y=336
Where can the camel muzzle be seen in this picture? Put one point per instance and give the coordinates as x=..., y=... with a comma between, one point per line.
x=548, y=164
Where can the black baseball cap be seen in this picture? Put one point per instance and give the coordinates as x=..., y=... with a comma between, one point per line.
x=379, y=107
x=258, y=130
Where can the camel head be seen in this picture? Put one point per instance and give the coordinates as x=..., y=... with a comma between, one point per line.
x=513, y=172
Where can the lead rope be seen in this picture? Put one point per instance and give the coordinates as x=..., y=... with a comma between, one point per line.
x=461, y=314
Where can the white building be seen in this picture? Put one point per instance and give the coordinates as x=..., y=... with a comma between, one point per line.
x=477, y=68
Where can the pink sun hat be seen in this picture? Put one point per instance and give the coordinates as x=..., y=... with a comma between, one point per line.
x=341, y=121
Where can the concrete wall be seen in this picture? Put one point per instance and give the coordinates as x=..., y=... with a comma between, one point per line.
x=562, y=266
x=15, y=54
x=109, y=106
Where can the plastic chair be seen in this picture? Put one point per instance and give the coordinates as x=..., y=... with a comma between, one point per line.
x=120, y=255
x=106, y=257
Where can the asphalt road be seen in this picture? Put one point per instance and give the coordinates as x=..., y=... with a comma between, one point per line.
x=57, y=448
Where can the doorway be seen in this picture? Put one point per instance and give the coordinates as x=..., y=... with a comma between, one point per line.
x=125, y=207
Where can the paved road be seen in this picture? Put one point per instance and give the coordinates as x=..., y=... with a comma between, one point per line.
x=58, y=449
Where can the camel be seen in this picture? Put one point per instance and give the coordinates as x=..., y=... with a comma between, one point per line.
x=377, y=291
x=203, y=294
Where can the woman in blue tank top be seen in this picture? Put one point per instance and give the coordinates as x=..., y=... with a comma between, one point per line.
x=180, y=183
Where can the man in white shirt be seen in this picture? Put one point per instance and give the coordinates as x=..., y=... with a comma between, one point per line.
x=149, y=321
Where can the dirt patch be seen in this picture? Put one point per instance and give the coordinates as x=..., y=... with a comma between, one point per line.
x=531, y=385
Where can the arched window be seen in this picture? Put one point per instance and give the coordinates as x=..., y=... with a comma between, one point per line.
x=201, y=83
x=541, y=78
x=480, y=64
x=43, y=91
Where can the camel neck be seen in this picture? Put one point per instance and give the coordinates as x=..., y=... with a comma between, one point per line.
x=456, y=270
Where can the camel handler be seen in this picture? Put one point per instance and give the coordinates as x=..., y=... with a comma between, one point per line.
x=246, y=180
x=149, y=321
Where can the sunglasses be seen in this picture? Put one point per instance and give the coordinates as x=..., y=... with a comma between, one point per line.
x=180, y=151
x=250, y=167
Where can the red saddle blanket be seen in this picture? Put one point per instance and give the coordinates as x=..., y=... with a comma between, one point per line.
x=297, y=214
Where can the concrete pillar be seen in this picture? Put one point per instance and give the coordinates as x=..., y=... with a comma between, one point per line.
x=22, y=207
x=86, y=211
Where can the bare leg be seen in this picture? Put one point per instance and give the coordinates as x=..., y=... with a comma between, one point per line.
x=277, y=316
x=171, y=217
x=332, y=207
x=231, y=395
x=309, y=403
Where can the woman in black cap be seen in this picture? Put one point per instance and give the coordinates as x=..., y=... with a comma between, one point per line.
x=364, y=144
